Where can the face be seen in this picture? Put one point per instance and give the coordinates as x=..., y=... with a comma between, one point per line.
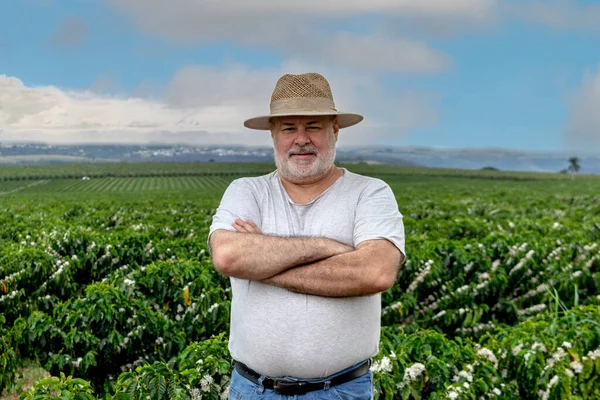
x=304, y=146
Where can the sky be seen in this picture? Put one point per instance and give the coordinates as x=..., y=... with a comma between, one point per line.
x=447, y=74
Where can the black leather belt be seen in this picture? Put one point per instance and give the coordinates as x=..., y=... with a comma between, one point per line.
x=289, y=387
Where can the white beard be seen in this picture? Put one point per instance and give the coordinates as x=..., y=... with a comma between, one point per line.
x=305, y=170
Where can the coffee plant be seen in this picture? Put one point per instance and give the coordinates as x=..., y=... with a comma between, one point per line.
x=117, y=298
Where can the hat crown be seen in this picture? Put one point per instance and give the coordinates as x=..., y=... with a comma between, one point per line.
x=307, y=94
x=309, y=85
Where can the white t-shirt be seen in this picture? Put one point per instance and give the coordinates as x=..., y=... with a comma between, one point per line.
x=278, y=332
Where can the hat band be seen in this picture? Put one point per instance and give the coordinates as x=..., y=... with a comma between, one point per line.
x=317, y=104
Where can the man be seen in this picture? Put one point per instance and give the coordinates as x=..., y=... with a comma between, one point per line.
x=308, y=248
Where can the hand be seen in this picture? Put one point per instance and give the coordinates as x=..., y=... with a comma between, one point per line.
x=245, y=226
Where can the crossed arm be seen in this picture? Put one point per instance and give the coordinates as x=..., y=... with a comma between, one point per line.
x=317, y=266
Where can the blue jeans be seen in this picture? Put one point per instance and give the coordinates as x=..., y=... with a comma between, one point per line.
x=360, y=388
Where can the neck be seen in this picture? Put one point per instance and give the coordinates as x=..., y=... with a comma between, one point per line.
x=306, y=191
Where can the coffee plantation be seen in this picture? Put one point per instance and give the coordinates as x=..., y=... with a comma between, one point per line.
x=107, y=283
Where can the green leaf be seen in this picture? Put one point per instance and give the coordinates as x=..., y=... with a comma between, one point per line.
x=162, y=387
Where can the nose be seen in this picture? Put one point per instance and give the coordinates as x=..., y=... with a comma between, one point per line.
x=302, y=137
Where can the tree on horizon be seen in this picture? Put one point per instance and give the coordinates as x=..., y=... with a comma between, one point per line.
x=574, y=166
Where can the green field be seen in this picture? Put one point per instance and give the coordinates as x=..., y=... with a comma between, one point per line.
x=109, y=280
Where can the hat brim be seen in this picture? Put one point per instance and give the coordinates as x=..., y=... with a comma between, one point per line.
x=345, y=120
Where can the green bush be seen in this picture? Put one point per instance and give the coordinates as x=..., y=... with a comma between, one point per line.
x=8, y=358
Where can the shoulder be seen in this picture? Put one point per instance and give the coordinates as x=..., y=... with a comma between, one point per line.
x=253, y=182
x=365, y=184
x=255, y=186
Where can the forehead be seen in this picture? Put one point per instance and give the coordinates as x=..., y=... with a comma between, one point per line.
x=306, y=120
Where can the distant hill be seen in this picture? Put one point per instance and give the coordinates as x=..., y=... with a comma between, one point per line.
x=43, y=154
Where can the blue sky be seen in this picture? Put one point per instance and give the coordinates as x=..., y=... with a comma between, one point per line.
x=436, y=73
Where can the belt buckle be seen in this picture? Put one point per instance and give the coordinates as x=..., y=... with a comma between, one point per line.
x=286, y=386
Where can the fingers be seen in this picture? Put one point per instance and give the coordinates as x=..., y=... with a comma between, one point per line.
x=239, y=227
x=245, y=226
x=253, y=225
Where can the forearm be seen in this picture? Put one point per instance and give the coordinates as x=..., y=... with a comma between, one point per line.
x=257, y=257
x=345, y=275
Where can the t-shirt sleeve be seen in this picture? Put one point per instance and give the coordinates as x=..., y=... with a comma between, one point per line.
x=238, y=201
x=378, y=217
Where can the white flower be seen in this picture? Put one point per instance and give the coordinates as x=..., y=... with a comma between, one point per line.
x=487, y=353
x=532, y=310
x=225, y=392
x=128, y=281
x=206, y=382
x=195, y=394
x=556, y=356
x=539, y=345
x=413, y=372
x=453, y=395
x=211, y=308
x=594, y=354
x=466, y=385
x=384, y=365
x=497, y=391
x=566, y=345
x=466, y=375
x=577, y=367
x=517, y=349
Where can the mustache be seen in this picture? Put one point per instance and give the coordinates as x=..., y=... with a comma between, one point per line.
x=303, y=150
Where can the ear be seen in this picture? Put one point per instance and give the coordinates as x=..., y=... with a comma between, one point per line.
x=272, y=129
x=336, y=127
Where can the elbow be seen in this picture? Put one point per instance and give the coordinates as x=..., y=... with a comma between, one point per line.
x=384, y=283
x=223, y=258
x=384, y=279
x=223, y=261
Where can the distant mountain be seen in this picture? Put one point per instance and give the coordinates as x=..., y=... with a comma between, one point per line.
x=41, y=153
x=478, y=159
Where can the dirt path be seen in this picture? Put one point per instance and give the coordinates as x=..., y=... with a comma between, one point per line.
x=23, y=188
x=31, y=374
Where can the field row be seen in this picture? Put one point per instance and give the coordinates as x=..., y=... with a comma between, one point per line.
x=114, y=185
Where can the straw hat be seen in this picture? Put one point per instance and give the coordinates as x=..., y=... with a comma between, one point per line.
x=305, y=94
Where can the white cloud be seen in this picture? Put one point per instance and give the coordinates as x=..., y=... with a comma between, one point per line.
x=200, y=106
x=557, y=14
x=61, y=116
x=583, y=129
x=378, y=53
x=307, y=29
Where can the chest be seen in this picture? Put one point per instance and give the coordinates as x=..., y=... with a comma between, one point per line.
x=328, y=217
